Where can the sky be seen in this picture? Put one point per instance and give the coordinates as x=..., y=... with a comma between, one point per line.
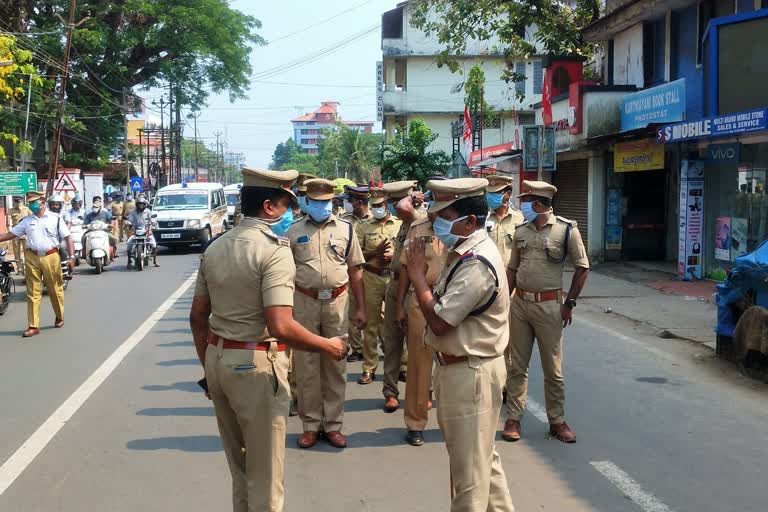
x=296, y=29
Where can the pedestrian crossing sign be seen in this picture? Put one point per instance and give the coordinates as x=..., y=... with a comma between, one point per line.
x=65, y=184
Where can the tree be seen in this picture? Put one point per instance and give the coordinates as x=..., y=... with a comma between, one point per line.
x=353, y=151
x=558, y=27
x=474, y=94
x=302, y=162
x=284, y=152
x=407, y=157
x=203, y=46
x=15, y=70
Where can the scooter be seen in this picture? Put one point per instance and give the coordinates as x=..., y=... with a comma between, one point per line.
x=98, y=251
x=77, y=230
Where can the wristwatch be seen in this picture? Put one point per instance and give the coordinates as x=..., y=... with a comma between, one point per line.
x=570, y=303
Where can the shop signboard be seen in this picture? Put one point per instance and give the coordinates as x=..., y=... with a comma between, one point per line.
x=17, y=183
x=662, y=104
x=718, y=126
x=719, y=154
x=691, y=236
x=380, y=91
x=532, y=137
x=475, y=157
x=639, y=155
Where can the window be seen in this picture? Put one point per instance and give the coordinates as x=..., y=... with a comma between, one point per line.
x=392, y=24
x=705, y=14
x=654, y=50
x=520, y=85
x=305, y=132
x=489, y=124
x=538, y=77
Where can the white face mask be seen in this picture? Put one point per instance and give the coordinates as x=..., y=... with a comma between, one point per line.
x=348, y=207
x=379, y=212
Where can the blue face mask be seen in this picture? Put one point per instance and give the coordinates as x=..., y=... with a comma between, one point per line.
x=495, y=200
x=442, y=229
x=34, y=207
x=320, y=210
x=528, y=213
x=391, y=208
x=303, y=204
x=280, y=226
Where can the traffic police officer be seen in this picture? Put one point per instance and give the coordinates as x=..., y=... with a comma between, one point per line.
x=468, y=322
x=378, y=237
x=116, y=206
x=395, y=355
x=241, y=322
x=502, y=219
x=357, y=212
x=328, y=270
x=418, y=387
x=539, y=308
x=128, y=206
x=18, y=212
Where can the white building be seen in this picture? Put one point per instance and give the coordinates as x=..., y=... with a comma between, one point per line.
x=415, y=87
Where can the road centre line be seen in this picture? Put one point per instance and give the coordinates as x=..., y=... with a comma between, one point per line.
x=31, y=448
x=630, y=487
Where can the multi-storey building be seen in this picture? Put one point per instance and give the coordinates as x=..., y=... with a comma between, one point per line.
x=308, y=129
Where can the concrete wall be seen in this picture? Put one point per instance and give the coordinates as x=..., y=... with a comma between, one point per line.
x=628, y=57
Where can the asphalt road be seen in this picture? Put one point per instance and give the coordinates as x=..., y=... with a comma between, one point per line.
x=662, y=425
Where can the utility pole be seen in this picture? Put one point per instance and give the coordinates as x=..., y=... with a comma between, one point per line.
x=125, y=133
x=218, y=165
x=26, y=124
x=171, y=143
x=197, y=163
x=179, y=134
x=163, y=175
x=54, y=163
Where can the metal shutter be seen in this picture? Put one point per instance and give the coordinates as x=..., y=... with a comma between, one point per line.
x=571, y=201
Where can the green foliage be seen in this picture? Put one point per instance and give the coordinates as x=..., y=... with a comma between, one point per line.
x=302, y=162
x=455, y=22
x=284, y=153
x=15, y=74
x=474, y=94
x=407, y=157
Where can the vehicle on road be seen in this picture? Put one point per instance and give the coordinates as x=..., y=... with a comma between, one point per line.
x=232, y=194
x=141, y=249
x=76, y=230
x=98, y=251
x=7, y=285
x=189, y=213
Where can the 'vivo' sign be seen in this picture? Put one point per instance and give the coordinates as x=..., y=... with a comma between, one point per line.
x=723, y=153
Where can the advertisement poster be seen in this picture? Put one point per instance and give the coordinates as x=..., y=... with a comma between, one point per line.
x=723, y=238
x=613, y=238
x=738, y=237
x=641, y=155
x=614, y=207
x=691, y=236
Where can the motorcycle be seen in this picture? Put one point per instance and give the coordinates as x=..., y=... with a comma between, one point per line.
x=141, y=250
x=77, y=230
x=98, y=251
x=7, y=284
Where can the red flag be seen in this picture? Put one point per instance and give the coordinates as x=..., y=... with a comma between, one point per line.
x=467, y=136
x=546, y=101
x=381, y=183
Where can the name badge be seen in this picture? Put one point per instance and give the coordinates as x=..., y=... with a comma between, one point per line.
x=304, y=239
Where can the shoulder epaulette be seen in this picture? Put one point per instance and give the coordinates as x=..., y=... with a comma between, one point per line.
x=567, y=221
x=419, y=222
x=280, y=240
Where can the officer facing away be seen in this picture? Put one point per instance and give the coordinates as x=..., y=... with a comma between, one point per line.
x=242, y=322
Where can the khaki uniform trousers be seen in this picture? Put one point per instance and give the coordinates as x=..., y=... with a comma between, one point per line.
x=39, y=270
x=19, y=248
x=121, y=228
x=292, y=372
x=540, y=321
x=469, y=397
x=375, y=291
x=321, y=382
x=355, y=335
x=420, y=357
x=249, y=389
x=394, y=343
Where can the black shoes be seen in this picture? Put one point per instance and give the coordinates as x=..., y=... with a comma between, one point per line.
x=415, y=438
x=354, y=357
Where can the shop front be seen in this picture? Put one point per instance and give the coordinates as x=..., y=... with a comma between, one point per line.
x=731, y=152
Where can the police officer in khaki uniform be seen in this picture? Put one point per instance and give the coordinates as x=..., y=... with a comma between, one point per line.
x=328, y=270
x=502, y=219
x=18, y=212
x=468, y=322
x=395, y=355
x=418, y=387
x=242, y=321
x=540, y=310
x=377, y=240
x=129, y=205
x=356, y=212
x=118, y=228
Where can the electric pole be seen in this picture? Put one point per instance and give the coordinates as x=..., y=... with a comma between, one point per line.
x=163, y=176
x=218, y=134
x=197, y=163
x=54, y=163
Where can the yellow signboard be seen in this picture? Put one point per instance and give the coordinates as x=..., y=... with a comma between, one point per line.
x=640, y=155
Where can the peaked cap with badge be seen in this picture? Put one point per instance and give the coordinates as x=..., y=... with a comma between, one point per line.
x=447, y=192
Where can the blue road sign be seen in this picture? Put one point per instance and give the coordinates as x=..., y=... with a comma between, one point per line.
x=137, y=184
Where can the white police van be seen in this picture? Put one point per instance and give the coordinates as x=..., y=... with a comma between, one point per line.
x=189, y=213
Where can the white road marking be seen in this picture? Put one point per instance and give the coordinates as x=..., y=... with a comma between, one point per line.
x=535, y=408
x=631, y=488
x=655, y=351
x=27, y=452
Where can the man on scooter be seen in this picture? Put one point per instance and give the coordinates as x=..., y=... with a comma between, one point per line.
x=76, y=212
x=138, y=218
x=99, y=213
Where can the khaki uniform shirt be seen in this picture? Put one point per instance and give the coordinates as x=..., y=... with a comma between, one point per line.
x=17, y=214
x=117, y=208
x=435, y=250
x=502, y=230
x=374, y=232
x=324, y=253
x=539, y=256
x=355, y=220
x=471, y=287
x=128, y=207
x=402, y=236
x=245, y=271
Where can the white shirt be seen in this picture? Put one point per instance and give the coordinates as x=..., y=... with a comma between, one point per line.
x=43, y=233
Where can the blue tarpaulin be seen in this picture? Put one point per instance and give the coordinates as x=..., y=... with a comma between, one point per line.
x=750, y=272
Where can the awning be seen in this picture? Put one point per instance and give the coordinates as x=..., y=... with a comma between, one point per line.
x=493, y=161
x=628, y=14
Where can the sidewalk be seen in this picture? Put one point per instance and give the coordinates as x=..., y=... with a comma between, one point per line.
x=648, y=293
